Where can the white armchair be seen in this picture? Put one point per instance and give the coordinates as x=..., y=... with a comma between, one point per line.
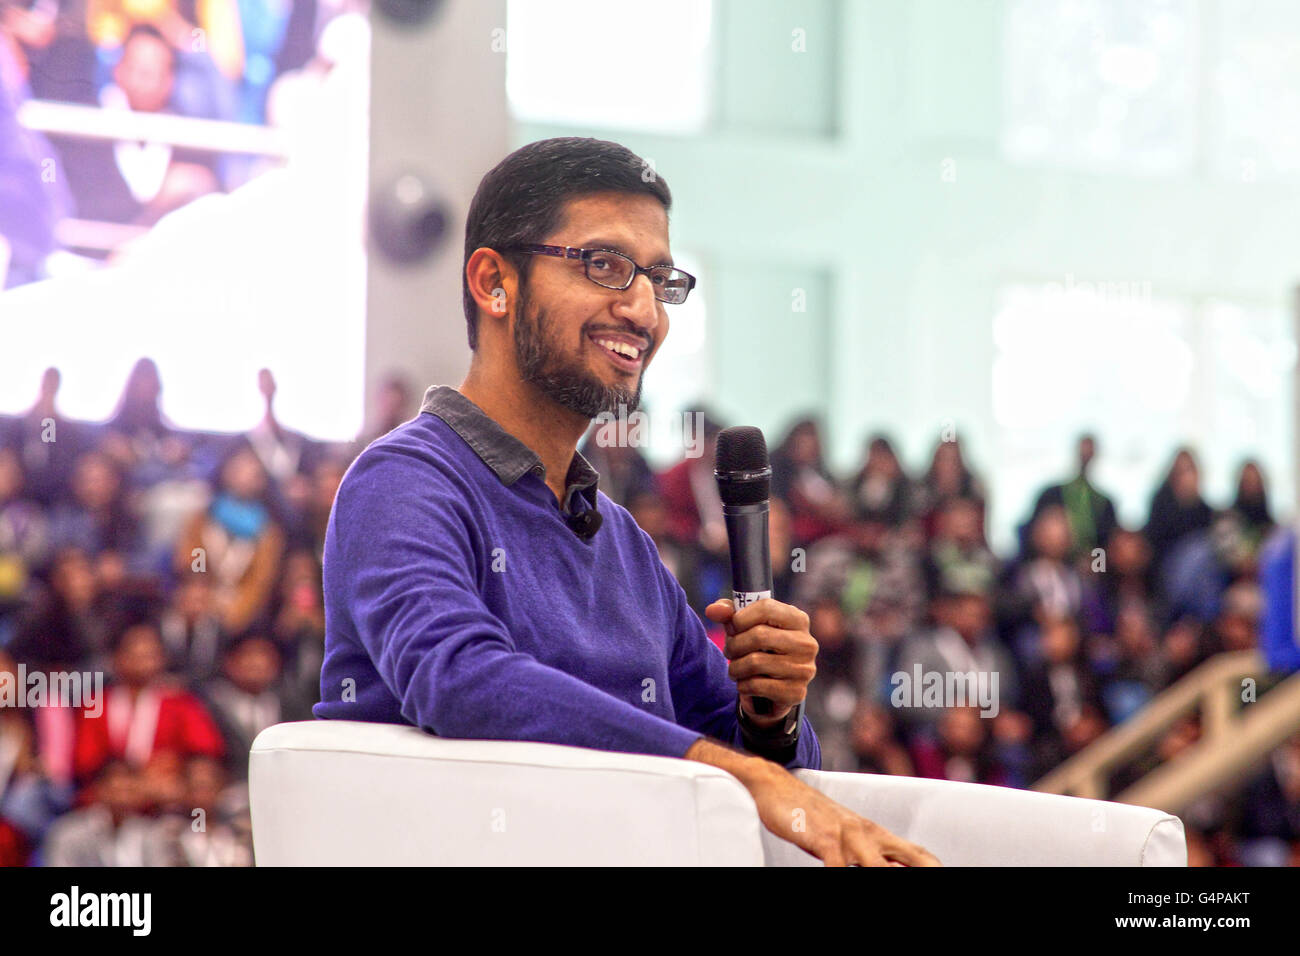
x=344, y=793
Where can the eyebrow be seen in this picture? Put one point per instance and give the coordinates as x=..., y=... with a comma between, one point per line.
x=610, y=245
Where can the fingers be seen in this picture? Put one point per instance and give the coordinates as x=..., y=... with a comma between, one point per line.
x=862, y=847
x=909, y=854
x=777, y=666
x=764, y=637
x=771, y=611
x=872, y=845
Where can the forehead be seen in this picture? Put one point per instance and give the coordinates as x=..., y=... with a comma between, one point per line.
x=145, y=47
x=638, y=223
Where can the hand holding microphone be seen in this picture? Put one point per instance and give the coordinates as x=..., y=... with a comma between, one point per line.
x=771, y=650
x=772, y=655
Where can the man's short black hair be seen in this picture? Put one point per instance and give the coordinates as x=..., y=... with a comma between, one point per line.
x=522, y=198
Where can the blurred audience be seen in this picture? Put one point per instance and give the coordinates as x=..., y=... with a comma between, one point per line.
x=186, y=566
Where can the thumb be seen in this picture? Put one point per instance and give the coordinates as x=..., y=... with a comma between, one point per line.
x=720, y=610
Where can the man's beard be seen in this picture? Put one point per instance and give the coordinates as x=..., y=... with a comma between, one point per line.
x=565, y=381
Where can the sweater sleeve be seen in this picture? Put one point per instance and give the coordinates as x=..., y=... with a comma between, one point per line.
x=408, y=575
x=704, y=695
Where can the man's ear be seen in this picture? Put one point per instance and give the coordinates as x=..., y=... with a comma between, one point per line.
x=493, y=281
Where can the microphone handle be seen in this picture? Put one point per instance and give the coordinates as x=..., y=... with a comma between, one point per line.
x=751, y=564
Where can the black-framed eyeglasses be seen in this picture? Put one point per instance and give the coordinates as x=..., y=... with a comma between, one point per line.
x=613, y=270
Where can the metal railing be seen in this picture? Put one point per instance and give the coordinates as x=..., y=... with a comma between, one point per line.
x=1234, y=736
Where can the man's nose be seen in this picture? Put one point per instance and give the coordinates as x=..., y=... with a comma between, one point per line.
x=639, y=305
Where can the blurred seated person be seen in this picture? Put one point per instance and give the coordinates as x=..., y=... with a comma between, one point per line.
x=1127, y=579
x=1177, y=508
x=961, y=641
x=1045, y=578
x=18, y=769
x=961, y=748
x=647, y=509
x=191, y=629
x=299, y=625
x=948, y=477
x=133, y=182
x=958, y=553
x=1202, y=564
x=690, y=493
x=881, y=489
x=833, y=697
x=624, y=471
x=818, y=507
x=111, y=830
x=48, y=443
x=1251, y=505
x=24, y=542
x=1061, y=696
x=63, y=629
x=1138, y=670
x=395, y=405
x=237, y=539
x=875, y=744
x=312, y=503
x=249, y=695
x=97, y=518
x=148, y=720
x=225, y=837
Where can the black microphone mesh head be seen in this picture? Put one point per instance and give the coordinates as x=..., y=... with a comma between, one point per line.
x=742, y=468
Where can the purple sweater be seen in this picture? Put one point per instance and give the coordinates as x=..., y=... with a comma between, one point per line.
x=458, y=599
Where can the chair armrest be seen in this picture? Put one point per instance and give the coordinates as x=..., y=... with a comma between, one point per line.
x=347, y=793
x=968, y=824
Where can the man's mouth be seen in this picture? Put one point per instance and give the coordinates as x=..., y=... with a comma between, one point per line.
x=623, y=351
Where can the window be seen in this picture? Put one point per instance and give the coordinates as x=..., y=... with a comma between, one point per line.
x=1144, y=373
x=1102, y=85
x=599, y=64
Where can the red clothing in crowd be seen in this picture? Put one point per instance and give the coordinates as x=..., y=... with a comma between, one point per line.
x=159, y=719
x=13, y=847
x=679, y=501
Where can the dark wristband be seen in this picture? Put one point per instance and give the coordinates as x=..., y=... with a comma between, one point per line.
x=771, y=742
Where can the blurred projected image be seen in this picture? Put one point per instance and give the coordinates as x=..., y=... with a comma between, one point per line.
x=200, y=166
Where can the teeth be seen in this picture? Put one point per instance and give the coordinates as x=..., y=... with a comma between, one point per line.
x=622, y=348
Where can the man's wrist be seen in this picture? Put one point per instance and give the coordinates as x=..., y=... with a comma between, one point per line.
x=749, y=769
x=764, y=721
x=777, y=742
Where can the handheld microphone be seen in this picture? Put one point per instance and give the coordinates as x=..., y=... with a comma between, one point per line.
x=744, y=477
x=586, y=524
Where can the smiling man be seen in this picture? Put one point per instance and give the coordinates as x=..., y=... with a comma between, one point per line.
x=478, y=585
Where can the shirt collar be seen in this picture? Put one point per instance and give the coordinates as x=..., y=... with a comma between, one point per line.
x=508, y=457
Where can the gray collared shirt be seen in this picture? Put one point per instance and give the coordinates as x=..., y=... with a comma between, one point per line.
x=508, y=457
